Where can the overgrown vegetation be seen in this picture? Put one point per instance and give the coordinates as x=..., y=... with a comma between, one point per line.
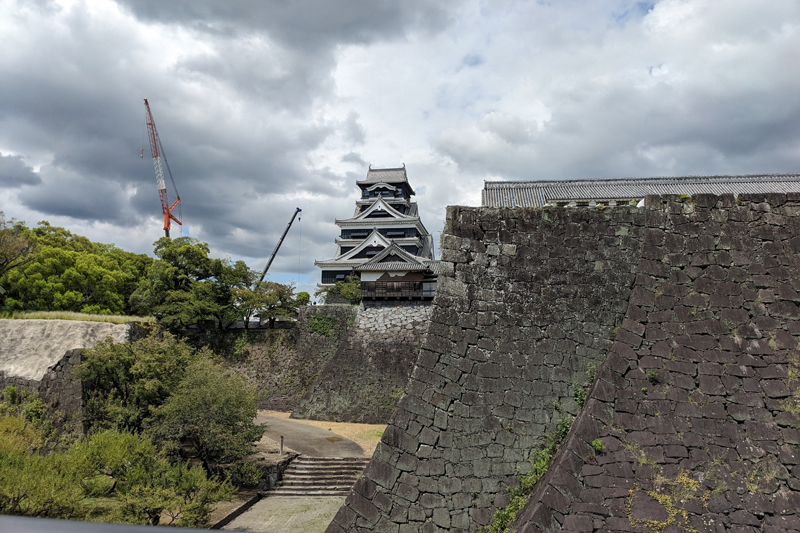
x=108, y=476
x=153, y=408
x=540, y=460
x=322, y=324
x=48, y=268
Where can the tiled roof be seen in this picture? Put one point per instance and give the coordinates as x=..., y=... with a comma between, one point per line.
x=539, y=193
x=405, y=261
x=385, y=175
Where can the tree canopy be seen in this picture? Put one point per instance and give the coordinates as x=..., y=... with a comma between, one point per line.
x=66, y=272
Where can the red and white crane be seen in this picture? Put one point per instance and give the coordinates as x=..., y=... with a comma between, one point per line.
x=157, y=150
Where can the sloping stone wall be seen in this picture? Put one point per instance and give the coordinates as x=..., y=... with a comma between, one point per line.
x=527, y=300
x=689, y=309
x=363, y=381
x=697, y=403
x=40, y=355
x=284, y=367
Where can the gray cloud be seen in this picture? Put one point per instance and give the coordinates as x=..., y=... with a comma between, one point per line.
x=304, y=24
x=15, y=173
x=267, y=106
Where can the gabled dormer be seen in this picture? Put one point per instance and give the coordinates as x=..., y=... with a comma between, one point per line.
x=369, y=247
x=393, y=257
x=379, y=209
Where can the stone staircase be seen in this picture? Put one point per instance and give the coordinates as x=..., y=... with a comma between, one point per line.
x=320, y=476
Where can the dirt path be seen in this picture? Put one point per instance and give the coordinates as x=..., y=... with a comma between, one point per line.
x=365, y=435
x=308, y=439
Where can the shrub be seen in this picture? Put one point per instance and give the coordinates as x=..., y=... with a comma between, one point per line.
x=322, y=324
x=123, y=383
x=210, y=411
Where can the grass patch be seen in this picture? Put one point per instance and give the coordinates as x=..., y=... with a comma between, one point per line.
x=70, y=315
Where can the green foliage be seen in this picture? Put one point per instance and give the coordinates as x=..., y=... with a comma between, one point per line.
x=303, y=298
x=16, y=248
x=349, y=290
x=267, y=299
x=210, y=411
x=322, y=324
x=579, y=393
x=20, y=403
x=244, y=474
x=69, y=273
x=134, y=479
x=123, y=383
x=598, y=446
x=186, y=286
x=653, y=377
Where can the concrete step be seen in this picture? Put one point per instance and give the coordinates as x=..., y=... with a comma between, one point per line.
x=320, y=476
x=282, y=492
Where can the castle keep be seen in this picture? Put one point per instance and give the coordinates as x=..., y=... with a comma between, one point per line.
x=384, y=243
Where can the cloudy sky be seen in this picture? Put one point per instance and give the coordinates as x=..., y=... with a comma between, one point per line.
x=264, y=106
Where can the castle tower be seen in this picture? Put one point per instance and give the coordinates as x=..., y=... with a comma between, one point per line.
x=384, y=243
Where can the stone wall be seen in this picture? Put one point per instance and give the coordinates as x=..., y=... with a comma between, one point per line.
x=526, y=301
x=40, y=355
x=283, y=364
x=687, y=308
x=696, y=405
x=363, y=381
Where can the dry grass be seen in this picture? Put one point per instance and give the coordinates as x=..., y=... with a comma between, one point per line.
x=68, y=315
x=365, y=435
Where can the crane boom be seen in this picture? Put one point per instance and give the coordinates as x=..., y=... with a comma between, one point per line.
x=275, y=252
x=156, y=150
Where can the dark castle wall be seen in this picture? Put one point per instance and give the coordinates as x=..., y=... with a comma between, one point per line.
x=527, y=300
x=688, y=309
x=697, y=402
x=363, y=381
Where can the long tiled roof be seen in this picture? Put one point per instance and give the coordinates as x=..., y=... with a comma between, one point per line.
x=385, y=175
x=539, y=193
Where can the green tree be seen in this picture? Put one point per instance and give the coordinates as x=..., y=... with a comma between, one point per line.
x=69, y=273
x=212, y=411
x=349, y=289
x=303, y=298
x=185, y=286
x=124, y=383
x=16, y=248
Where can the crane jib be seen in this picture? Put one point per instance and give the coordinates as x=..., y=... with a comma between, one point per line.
x=157, y=150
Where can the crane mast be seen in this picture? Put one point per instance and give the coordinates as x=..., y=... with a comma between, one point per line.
x=157, y=150
x=275, y=252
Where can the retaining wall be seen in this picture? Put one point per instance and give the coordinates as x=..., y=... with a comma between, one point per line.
x=526, y=301
x=696, y=405
x=687, y=308
x=363, y=381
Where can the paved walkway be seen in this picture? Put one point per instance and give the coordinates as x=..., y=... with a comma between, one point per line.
x=308, y=440
x=286, y=514
x=297, y=514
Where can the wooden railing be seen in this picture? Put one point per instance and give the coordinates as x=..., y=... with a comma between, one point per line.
x=398, y=289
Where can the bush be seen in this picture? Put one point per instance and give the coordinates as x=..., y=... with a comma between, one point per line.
x=123, y=383
x=303, y=298
x=110, y=476
x=210, y=411
x=322, y=324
